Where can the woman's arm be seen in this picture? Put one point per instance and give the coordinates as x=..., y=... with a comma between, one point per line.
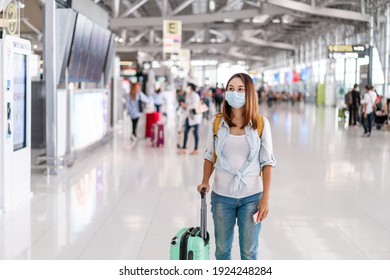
x=264, y=201
x=267, y=161
x=144, y=98
x=208, y=168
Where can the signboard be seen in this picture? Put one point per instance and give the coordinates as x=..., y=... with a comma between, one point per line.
x=172, y=34
x=346, y=51
x=11, y=19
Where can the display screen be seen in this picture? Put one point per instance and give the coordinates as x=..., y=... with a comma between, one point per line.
x=19, y=101
x=88, y=52
x=89, y=108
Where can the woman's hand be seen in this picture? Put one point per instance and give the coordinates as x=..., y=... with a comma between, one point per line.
x=204, y=186
x=263, y=209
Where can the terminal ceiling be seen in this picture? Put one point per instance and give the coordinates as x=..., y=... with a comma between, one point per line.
x=249, y=30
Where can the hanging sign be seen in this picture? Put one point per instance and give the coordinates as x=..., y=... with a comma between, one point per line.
x=172, y=36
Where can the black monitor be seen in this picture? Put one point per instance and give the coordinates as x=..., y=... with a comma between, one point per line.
x=88, y=52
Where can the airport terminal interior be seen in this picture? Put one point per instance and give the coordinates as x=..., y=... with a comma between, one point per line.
x=88, y=173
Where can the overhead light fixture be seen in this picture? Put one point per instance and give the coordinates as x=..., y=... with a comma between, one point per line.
x=247, y=20
x=260, y=19
x=212, y=5
x=22, y=5
x=228, y=20
x=35, y=47
x=120, y=40
x=276, y=20
x=213, y=40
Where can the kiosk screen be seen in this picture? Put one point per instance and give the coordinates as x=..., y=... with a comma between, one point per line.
x=19, y=101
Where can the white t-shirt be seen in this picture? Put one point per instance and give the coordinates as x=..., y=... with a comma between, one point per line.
x=369, y=99
x=236, y=152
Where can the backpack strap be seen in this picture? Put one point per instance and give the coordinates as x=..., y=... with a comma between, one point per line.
x=217, y=122
x=260, y=125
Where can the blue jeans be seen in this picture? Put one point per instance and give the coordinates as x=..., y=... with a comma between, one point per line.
x=226, y=211
x=367, y=123
x=187, y=128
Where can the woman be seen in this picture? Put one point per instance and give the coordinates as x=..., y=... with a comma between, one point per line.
x=239, y=193
x=193, y=119
x=134, y=106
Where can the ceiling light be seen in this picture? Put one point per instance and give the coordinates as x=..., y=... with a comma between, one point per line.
x=35, y=47
x=22, y=5
x=228, y=20
x=120, y=40
x=247, y=20
x=212, y=5
x=276, y=20
x=213, y=40
x=260, y=19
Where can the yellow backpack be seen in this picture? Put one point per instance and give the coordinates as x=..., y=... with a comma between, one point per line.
x=217, y=122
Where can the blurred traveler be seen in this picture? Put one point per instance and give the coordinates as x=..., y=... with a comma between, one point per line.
x=218, y=99
x=368, y=110
x=135, y=106
x=348, y=104
x=158, y=99
x=192, y=118
x=180, y=117
x=234, y=150
x=355, y=105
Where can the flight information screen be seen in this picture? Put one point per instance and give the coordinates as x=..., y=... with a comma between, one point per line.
x=19, y=101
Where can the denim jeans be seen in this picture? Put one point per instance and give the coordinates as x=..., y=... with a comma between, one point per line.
x=367, y=123
x=226, y=211
x=135, y=124
x=187, y=128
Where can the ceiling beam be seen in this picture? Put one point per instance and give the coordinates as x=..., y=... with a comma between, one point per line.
x=137, y=38
x=182, y=7
x=31, y=26
x=186, y=19
x=229, y=5
x=263, y=43
x=133, y=8
x=146, y=48
x=235, y=51
x=319, y=11
x=208, y=46
x=115, y=7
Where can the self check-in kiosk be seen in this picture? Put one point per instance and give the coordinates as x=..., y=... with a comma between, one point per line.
x=15, y=118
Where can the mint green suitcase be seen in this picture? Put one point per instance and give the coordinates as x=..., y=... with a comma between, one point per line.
x=193, y=243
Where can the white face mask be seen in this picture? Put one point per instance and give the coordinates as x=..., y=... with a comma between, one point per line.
x=235, y=99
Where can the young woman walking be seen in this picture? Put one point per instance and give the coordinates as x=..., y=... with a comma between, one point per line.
x=239, y=149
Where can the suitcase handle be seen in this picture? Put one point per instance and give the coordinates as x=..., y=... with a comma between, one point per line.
x=203, y=215
x=202, y=193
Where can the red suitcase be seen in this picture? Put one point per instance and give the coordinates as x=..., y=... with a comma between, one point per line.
x=157, y=134
x=150, y=120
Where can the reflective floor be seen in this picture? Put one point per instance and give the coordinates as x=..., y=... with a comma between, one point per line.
x=330, y=197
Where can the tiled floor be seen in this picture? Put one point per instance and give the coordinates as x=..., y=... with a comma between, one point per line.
x=330, y=197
